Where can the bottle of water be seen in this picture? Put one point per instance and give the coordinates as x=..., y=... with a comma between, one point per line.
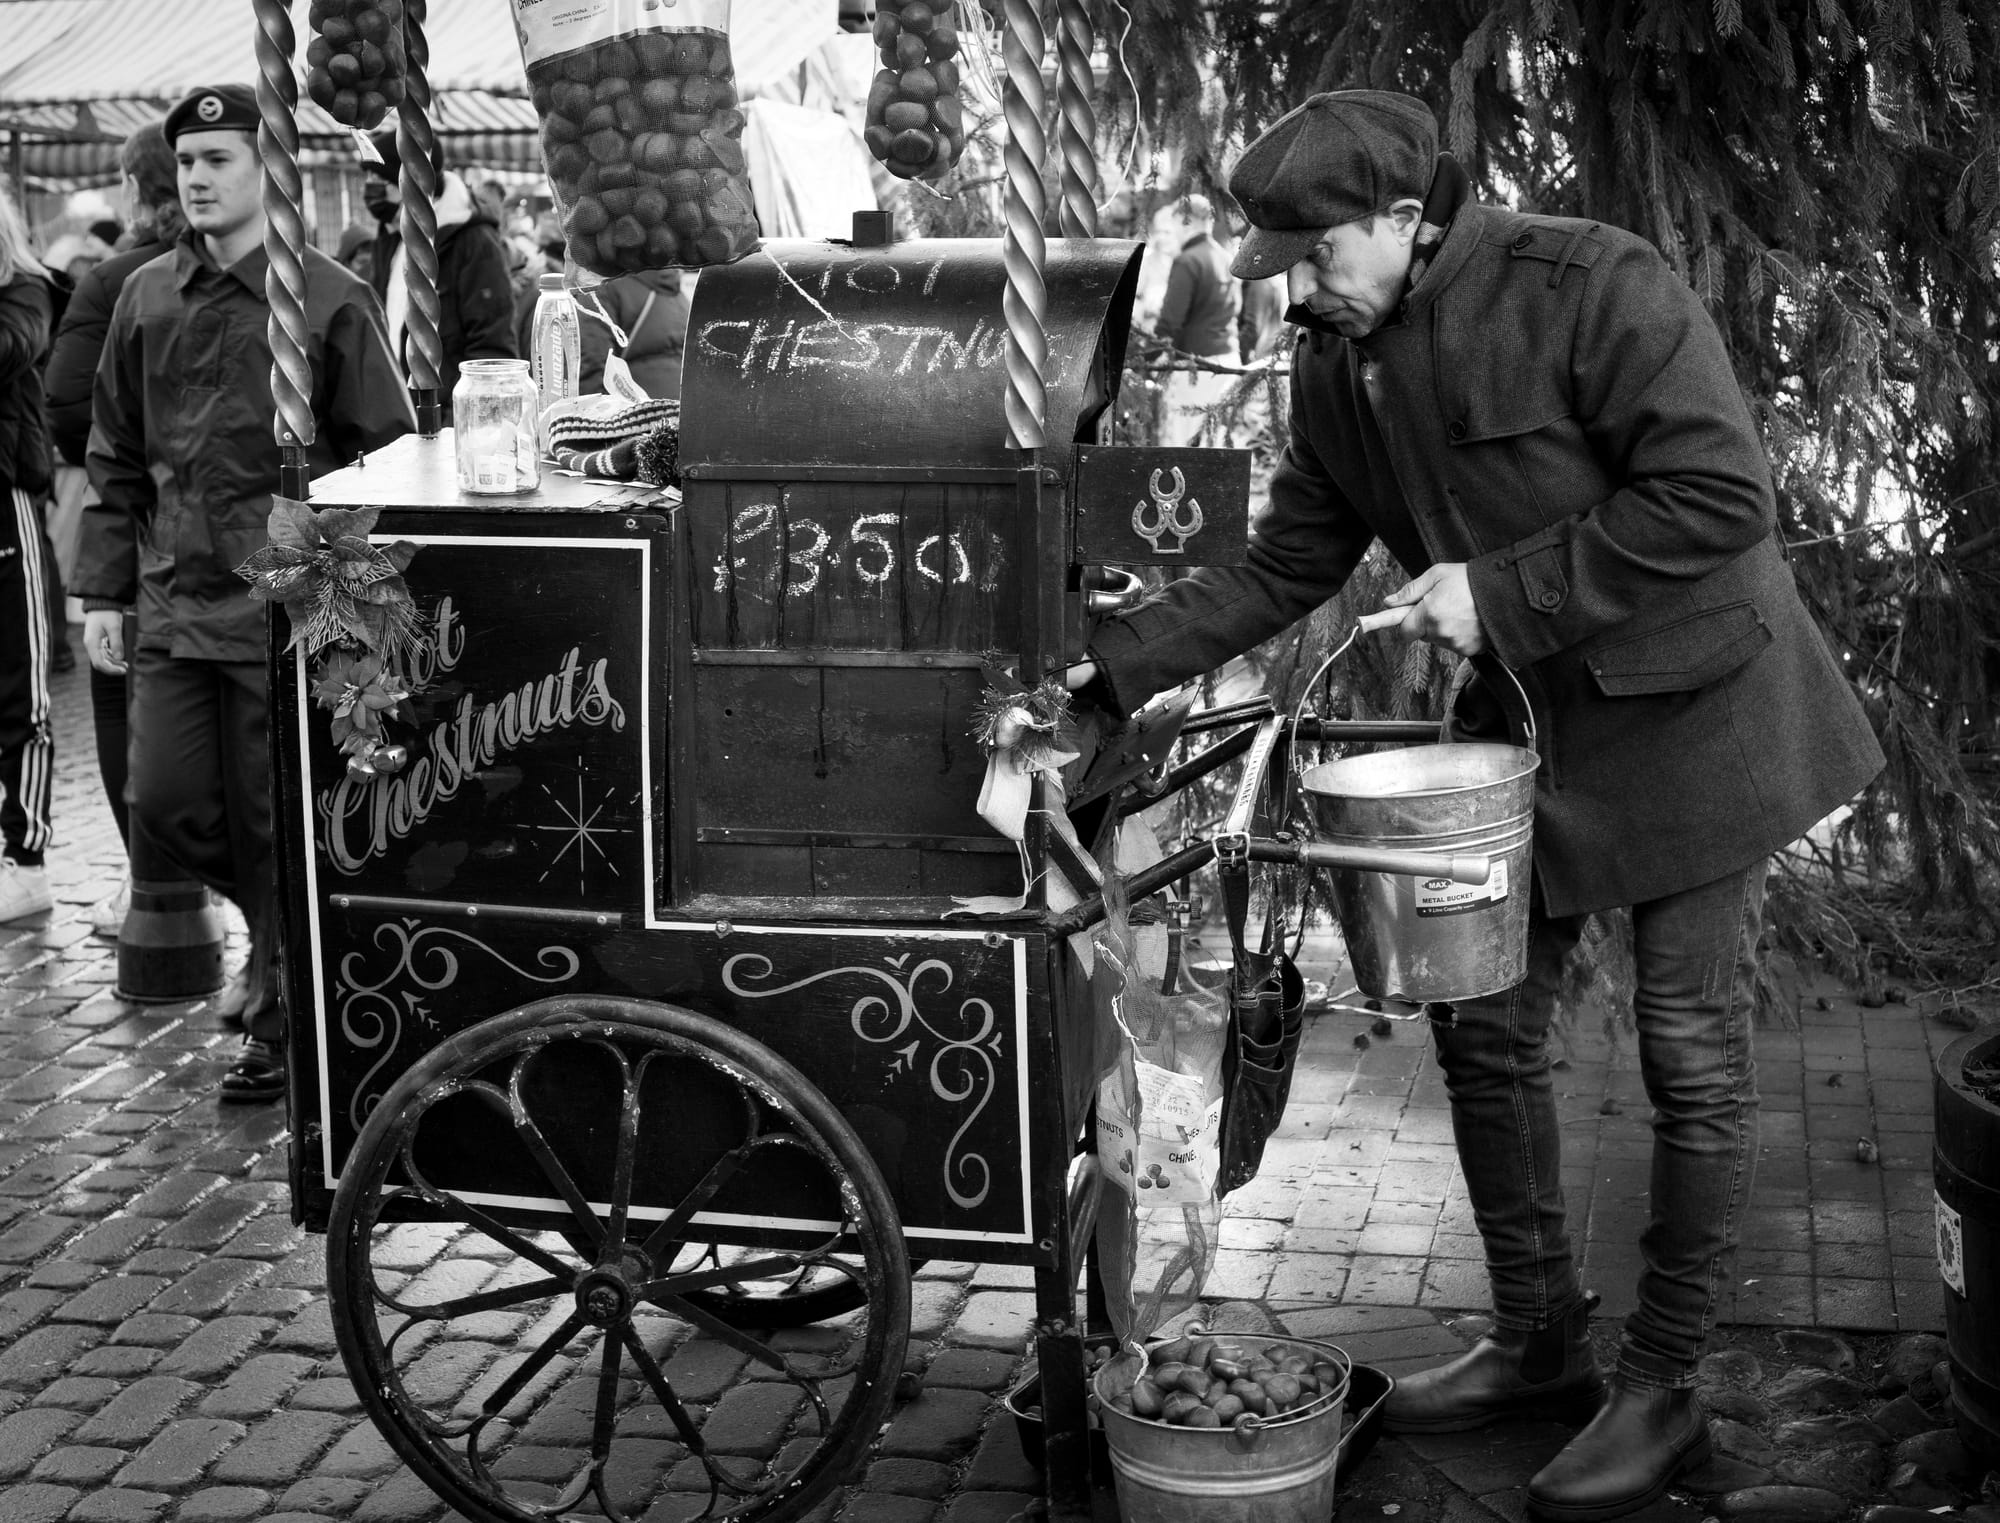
x=558, y=355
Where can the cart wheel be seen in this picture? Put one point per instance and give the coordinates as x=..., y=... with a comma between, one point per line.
x=799, y=1298
x=592, y=1146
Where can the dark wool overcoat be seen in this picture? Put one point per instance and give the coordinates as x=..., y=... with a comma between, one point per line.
x=1554, y=408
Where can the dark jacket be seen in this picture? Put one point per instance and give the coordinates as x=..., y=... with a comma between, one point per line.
x=72, y=371
x=1198, y=313
x=25, y=316
x=182, y=451
x=475, y=293
x=1556, y=410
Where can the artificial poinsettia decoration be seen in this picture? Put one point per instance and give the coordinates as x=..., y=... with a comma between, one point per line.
x=335, y=585
x=352, y=612
x=363, y=692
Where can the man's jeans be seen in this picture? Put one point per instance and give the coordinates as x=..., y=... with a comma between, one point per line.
x=1696, y=966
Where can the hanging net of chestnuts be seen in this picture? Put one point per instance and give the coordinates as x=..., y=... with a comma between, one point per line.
x=915, y=125
x=355, y=61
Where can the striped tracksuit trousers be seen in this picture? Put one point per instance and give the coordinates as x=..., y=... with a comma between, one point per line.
x=27, y=741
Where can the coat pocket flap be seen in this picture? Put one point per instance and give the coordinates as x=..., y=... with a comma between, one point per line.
x=1679, y=657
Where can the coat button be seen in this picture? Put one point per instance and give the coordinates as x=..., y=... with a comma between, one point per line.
x=1550, y=597
x=1457, y=430
x=1525, y=240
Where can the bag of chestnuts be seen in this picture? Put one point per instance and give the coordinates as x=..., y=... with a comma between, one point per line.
x=915, y=125
x=641, y=134
x=355, y=63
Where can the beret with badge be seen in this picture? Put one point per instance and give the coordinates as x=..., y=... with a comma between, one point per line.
x=1340, y=156
x=213, y=108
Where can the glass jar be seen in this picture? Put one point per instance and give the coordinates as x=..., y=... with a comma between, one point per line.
x=494, y=411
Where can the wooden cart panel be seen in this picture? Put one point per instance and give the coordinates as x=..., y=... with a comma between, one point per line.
x=922, y=1040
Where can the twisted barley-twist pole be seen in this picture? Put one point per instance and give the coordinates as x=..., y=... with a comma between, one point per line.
x=1024, y=250
x=416, y=145
x=1076, y=131
x=284, y=243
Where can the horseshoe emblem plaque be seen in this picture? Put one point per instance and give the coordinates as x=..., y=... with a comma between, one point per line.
x=1167, y=515
x=1137, y=505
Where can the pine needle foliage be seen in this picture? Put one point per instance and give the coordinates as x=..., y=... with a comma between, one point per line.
x=1826, y=175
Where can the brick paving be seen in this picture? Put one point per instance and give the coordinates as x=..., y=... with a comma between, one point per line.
x=166, y=1351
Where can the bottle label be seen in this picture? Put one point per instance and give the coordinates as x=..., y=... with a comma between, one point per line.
x=548, y=28
x=553, y=363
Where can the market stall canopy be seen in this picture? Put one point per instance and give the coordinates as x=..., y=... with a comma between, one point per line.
x=64, y=51
x=77, y=75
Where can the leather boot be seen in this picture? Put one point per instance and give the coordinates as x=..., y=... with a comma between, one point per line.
x=1507, y=1374
x=1639, y=1442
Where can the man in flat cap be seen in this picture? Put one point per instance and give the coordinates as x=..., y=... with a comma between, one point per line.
x=1537, y=418
x=184, y=459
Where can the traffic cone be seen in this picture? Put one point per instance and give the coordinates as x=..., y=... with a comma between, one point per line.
x=170, y=947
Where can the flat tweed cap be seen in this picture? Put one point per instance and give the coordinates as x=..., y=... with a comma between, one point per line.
x=1340, y=156
x=213, y=108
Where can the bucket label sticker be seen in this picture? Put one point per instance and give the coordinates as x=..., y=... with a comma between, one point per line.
x=1441, y=896
x=1950, y=1246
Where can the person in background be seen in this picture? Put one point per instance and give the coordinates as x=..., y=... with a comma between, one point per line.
x=184, y=462
x=1197, y=320
x=152, y=200
x=475, y=293
x=1538, y=418
x=545, y=254
x=356, y=250
x=651, y=310
x=104, y=238
x=1262, y=322
x=27, y=741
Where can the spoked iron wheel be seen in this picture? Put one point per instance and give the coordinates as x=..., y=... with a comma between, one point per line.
x=790, y=1298
x=566, y=1357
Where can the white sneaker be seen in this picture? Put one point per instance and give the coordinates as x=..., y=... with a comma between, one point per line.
x=24, y=891
x=108, y=918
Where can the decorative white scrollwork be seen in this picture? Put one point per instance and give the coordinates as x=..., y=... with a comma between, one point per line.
x=372, y=1014
x=1168, y=517
x=960, y=1070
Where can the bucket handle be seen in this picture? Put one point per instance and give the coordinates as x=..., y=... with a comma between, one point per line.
x=1382, y=618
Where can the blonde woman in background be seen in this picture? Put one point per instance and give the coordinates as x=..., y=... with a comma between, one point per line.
x=27, y=745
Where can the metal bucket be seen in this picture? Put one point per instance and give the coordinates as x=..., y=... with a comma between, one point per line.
x=1280, y=1470
x=1426, y=940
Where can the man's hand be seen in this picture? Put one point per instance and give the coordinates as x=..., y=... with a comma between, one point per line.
x=1079, y=675
x=104, y=640
x=1440, y=609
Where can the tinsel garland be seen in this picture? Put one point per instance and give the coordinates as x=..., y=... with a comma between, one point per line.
x=353, y=614
x=1036, y=724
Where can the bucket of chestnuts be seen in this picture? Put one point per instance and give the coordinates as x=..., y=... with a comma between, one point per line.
x=1225, y=1428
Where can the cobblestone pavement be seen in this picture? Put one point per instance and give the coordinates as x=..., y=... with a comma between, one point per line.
x=166, y=1347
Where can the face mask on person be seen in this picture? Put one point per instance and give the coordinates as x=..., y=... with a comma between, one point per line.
x=381, y=200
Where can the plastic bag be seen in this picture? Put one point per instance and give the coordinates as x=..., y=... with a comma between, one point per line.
x=355, y=63
x=640, y=131
x=1159, y=1107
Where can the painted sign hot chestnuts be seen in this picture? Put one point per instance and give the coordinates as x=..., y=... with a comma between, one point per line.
x=915, y=126
x=643, y=143
x=355, y=61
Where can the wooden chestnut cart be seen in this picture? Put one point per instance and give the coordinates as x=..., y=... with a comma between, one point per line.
x=639, y=978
